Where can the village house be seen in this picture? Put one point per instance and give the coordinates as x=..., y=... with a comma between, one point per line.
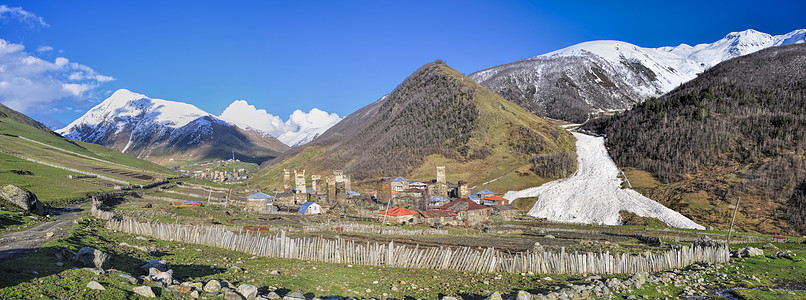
x=437, y=216
x=400, y=215
x=399, y=184
x=260, y=203
x=495, y=200
x=310, y=208
x=468, y=211
x=507, y=212
x=413, y=193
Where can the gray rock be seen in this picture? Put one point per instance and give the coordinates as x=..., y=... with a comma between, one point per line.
x=157, y=264
x=95, y=271
x=749, y=251
x=592, y=278
x=769, y=246
x=128, y=278
x=247, y=290
x=144, y=291
x=449, y=298
x=273, y=296
x=294, y=296
x=194, y=294
x=166, y=278
x=93, y=257
x=523, y=295
x=232, y=296
x=494, y=296
x=212, y=286
x=23, y=199
x=95, y=286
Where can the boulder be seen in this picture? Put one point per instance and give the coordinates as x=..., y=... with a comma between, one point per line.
x=232, y=296
x=23, y=199
x=144, y=291
x=749, y=251
x=160, y=265
x=128, y=277
x=95, y=286
x=93, y=257
x=248, y=291
x=166, y=278
x=494, y=296
x=523, y=295
x=294, y=296
x=212, y=286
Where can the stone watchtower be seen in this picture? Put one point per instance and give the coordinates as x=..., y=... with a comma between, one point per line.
x=286, y=180
x=299, y=180
x=316, y=183
x=464, y=191
x=441, y=174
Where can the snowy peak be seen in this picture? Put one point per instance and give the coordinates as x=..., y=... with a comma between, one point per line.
x=128, y=107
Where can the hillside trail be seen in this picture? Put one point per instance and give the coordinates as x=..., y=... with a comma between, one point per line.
x=19, y=244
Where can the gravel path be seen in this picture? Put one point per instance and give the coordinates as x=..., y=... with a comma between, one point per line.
x=21, y=243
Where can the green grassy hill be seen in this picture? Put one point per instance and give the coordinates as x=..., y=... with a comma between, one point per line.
x=36, y=159
x=437, y=116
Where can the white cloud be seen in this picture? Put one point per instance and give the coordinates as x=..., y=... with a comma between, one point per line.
x=43, y=49
x=300, y=126
x=22, y=15
x=31, y=84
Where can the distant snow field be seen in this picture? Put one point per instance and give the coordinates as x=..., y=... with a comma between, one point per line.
x=593, y=195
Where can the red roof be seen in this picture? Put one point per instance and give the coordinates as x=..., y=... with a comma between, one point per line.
x=496, y=198
x=463, y=204
x=398, y=211
x=438, y=213
x=413, y=190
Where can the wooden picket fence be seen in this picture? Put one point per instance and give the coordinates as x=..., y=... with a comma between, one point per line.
x=395, y=255
x=368, y=228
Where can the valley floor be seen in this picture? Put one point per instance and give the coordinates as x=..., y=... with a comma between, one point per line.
x=593, y=195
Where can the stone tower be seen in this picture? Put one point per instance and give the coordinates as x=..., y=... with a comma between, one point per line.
x=286, y=180
x=299, y=179
x=316, y=183
x=441, y=174
x=464, y=192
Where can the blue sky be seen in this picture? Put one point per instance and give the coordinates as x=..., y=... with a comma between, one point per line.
x=333, y=55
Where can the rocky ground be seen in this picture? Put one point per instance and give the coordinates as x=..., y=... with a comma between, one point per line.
x=21, y=243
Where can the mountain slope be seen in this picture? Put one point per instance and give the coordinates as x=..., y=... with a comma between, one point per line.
x=735, y=131
x=437, y=116
x=161, y=131
x=37, y=159
x=573, y=82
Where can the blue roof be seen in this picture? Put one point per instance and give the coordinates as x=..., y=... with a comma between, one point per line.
x=400, y=179
x=310, y=191
x=259, y=195
x=351, y=192
x=439, y=199
x=474, y=196
x=305, y=206
x=486, y=192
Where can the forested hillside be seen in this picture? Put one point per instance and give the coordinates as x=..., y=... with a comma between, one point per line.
x=737, y=130
x=438, y=116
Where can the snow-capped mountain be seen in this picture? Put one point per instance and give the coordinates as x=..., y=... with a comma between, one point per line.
x=571, y=83
x=162, y=130
x=300, y=128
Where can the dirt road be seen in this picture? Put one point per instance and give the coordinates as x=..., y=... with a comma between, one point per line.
x=19, y=244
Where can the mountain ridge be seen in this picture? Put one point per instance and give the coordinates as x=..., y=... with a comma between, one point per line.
x=573, y=82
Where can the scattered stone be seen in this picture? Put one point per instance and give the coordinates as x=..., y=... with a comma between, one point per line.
x=232, y=296
x=144, y=291
x=212, y=286
x=548, y=236
x=294, y=296
x=23, y=199
x=142, y=238
x=547, y=278
x=93, y=257
x=129, y=278
x=166, y=278
x=592, y=278
x=160, y=265
x=784, y=253
x=748, y=252
x=523, y=295
x=95, y=286
x=274, y=272
x=182, y=289
x=65, y=254
x=248, y=291
x=449, y=298
x=194, y=294
x=95, y=271
x=273, y=296
x=769, y=246
x=494, y=296
x=705, y=241
x=49, y=234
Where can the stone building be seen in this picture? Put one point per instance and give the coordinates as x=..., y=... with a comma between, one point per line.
x=468, y=211
x=259, y=203
x=286, y=180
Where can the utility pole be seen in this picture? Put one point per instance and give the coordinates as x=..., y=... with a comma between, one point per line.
x=735, y=209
